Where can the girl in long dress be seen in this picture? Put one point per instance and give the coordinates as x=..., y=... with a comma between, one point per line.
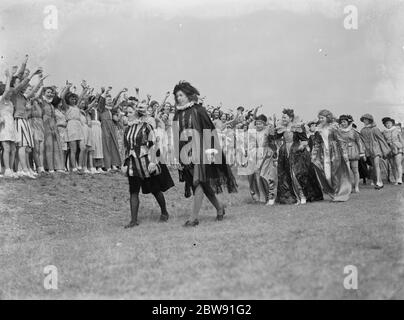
x=266, y=159
x=96, y=134
x=87, y=143
x=297, y=182
x=61, y=124
x=142, y=166
x=119, y=130
x=74, y=130
x=110, y=145
x=24, y=141
x=355, y=146
x=394, y=139
x=53, y=145
x=8, y=134
x=245, y=156
x=376, y=147
x=197, y=168
x=38, y=134
x=330, y=159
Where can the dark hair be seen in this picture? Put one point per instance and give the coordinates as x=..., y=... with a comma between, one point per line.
x=289, y=112
x=71, y=95
x=12, y=82
x=48, y=88
x=132, y=98
x=191, y=92
x=152, y=103
x=262, y=117
x=388, y=119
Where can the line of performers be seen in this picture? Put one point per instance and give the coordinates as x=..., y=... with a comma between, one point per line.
x=287, y=163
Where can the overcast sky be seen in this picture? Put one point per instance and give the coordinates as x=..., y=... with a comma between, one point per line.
x=280, y=53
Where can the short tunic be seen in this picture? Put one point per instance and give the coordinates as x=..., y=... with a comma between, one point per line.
x=375, y=143
x=74, y=130
x=87, y=137
x=138, y=139
x=354, y=143
x=394, y=140
x=7, y=128
x=36, y=122
x=61, y=124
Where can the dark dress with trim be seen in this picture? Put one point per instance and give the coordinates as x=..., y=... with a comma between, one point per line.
x=192, y=123
x=138, y=140
x=296, y=175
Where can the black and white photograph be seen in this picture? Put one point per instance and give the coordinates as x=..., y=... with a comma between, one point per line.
x=201, y=150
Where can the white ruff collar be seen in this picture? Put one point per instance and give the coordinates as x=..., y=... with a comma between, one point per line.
x=186, y=106
x=346, y=129
x=136, y=121
x=46, y=99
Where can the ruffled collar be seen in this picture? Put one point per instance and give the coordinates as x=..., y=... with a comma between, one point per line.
x=186, y=106
x=347, y=129
x=293, y=127
x=48, y=100
x=137, y=121
x=391, y=129
x=370, y=125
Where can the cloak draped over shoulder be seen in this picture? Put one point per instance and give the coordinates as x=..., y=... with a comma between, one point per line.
x=192, y=123
x=330, y=159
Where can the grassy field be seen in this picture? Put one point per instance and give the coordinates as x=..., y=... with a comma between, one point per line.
x=283, y=252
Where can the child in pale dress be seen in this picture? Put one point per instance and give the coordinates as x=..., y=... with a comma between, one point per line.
x=74, y=130
x=394, y=139
x=7, y=128
x=86, y=143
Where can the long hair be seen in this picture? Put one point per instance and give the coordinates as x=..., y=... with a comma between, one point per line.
x=44, y=89
x=71, y=95
x=190, y=91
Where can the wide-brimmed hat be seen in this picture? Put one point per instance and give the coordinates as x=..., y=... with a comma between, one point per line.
x=367, y=116
x=387, y=119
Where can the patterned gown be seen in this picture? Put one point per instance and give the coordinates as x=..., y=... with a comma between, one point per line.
x=296, y=175
x=330, y=159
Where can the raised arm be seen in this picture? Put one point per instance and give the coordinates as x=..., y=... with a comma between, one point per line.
x=84, y=92
x=162, y=104
x=21, y=70
x=137, y=94
x=168, y=93
x=7, y=91
x=118, y=96
x=63, y=94
x=37, y=87
x=255, y=111
x=25, y=81
x=101, y=100
x=40, y=92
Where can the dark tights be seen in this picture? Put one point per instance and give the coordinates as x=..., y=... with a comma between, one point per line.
x=134, y=204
